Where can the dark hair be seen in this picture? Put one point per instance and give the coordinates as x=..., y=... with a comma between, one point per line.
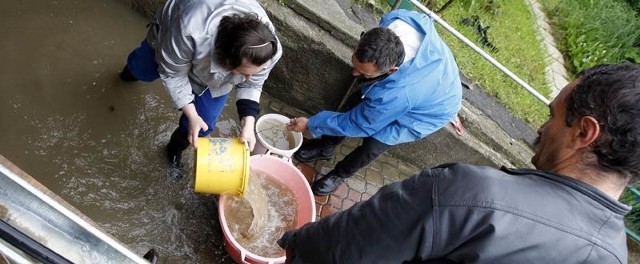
x=244, y=37
x=381, y=47
x=610, y=93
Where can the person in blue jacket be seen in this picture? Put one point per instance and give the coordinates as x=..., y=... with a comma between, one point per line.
x=410, y=88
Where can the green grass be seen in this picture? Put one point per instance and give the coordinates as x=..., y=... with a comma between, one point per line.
x=592, y=32
x=513, y=31
x=632, y=219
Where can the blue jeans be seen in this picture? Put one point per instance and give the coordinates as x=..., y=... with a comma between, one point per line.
x=208, y=108
x=143, y=66
x=142, y=63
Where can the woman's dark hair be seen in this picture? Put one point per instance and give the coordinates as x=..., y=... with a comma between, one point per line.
x=381, y=47
x=610, y=93
x=244, y=37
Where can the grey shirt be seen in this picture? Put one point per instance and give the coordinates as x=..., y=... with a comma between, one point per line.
x=183, y=36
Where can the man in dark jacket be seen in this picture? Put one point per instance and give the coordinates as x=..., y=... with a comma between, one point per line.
x=566, y=211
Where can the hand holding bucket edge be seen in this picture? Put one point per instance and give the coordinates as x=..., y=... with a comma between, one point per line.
x=247, y=135
x=196, y=124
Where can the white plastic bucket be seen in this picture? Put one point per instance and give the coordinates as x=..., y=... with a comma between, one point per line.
x=274, y=138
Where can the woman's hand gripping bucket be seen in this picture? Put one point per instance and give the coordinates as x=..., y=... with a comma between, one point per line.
x=221, y=166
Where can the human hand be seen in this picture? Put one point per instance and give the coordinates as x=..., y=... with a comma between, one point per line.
x=248, y=131
x=298, y=124
x=196, y=124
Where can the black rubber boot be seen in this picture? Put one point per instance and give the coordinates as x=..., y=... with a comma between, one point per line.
x=126, y=75
x=315, y=149
x=327, y=184
x=177, y=144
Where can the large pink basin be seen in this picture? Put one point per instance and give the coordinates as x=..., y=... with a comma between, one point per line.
x=291, y=177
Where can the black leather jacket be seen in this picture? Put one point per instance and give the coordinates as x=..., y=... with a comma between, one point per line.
x=470, y=214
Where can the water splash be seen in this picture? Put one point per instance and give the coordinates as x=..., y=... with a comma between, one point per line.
x=275, y=214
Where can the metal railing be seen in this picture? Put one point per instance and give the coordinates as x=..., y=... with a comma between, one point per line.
x=478, y=50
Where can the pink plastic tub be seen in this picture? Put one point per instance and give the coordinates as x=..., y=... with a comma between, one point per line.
x=291, y=177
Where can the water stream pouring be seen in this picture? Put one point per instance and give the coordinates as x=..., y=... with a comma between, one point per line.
x=286, y=174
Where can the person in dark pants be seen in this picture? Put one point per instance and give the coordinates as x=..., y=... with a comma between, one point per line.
x=564, y=211
x=324, y=148
x=410, y=87
x=201, y=50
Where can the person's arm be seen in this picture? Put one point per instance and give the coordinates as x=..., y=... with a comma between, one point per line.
x=248, y=131
x=299, y=124
x=174, y=64
x=196, y=123
x=391, y=227
x=375, y=112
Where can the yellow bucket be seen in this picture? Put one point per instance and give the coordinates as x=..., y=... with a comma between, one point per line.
x=221, y=166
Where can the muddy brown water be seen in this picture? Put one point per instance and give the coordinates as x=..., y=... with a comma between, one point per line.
x=69, y=122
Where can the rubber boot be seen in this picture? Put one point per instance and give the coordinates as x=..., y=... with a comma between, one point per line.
x=177, y=144
x=152, y=256
x=315, y=149
x=126, y=75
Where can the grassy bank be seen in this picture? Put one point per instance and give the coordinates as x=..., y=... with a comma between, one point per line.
x=512, y=31
x=594, y=32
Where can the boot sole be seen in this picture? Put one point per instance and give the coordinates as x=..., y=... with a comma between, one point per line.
x=310, y=160
x=175, y=173
x=318, y=193
x=322, y=194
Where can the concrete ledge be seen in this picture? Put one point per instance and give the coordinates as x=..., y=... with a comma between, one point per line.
x=490, y=134
x=324, y=15
x=315, y=67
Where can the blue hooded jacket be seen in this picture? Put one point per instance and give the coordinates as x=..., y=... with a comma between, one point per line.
x=409, y=104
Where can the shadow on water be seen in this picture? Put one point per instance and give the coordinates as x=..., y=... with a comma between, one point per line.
x=98, y=143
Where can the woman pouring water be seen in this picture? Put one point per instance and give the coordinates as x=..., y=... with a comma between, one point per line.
x=201, y=50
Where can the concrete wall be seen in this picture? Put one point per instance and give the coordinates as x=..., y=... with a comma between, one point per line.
x=315, y=71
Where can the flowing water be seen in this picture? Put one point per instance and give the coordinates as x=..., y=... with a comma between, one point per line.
x=98, y=143
x=259, y=218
